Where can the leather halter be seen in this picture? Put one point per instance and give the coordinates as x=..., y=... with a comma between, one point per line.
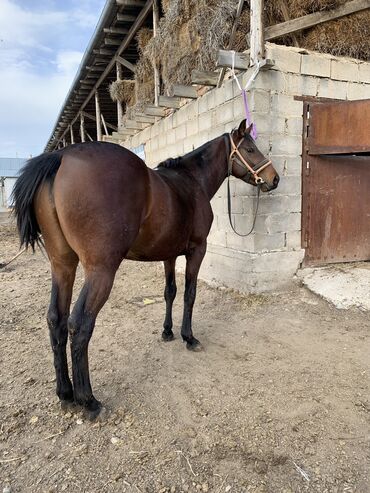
x=251, y=170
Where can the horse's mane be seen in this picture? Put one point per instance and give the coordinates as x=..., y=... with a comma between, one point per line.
x=179, y=162
x=170, y=163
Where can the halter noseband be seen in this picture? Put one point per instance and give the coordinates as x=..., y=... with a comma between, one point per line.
x=255, y=170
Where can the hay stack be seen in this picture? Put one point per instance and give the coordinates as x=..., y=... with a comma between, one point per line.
x=123, y=91
x=144, y=69
x=189, y=37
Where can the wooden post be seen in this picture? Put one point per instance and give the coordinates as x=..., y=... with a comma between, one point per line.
x=64, y=142
x=119, y=104
x=104, y=125
x=157, y=84
x=82, y=127
x=98, y=117
x=71, y=133
x=257, y=39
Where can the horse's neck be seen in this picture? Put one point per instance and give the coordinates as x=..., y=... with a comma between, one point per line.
x=212, y=171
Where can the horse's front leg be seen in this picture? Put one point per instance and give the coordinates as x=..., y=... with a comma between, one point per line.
x=193, y=261
x=169, y=295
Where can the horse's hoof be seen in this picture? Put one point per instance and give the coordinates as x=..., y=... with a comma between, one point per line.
x=67, y=405
x=93, y=411
x=194, y=345
x=168, y=336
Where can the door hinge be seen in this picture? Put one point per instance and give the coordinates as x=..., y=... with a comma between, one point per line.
x=307, y=168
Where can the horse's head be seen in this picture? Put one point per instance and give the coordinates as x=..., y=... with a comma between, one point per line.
x=248, y=163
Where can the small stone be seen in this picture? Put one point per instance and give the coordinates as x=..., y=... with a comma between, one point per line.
x=228, y=488
x=115, y=440
x=7, y=489
x=205, y=487
x=33, y=420
x=79, y=421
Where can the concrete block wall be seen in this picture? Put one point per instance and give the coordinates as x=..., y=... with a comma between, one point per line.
x=269, y=258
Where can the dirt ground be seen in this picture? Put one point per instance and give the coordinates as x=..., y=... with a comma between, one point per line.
x=278, y=402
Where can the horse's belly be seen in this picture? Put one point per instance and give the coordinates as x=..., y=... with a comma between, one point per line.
x=152, y=251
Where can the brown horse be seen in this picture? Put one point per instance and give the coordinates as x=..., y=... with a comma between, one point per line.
x=98, y=203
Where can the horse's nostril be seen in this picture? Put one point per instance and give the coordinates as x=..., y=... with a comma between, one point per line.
x=276, y=180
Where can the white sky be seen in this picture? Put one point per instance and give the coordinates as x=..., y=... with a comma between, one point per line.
x=41, y=46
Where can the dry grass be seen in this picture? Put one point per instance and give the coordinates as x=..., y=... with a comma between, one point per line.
x=123, y=91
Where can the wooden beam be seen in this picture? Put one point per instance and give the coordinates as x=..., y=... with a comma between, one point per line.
x=154, y=111
x=225, y=59
x=126, y=63
x=131, y=3
x=112, y=41
x=231, y=39
x=257, y=43
x=126, y=18
x=310, y=20
x=285, y=11
x=119, y=104
x=142, y=118
x=98, y=117
x=104, y=125
x=82, y=127
x=71, y=134
x=115, y=30
x=204, y=78
x=92, y=117
x=168, y=102
x=103, y=51
x=94, y=68
x=132, y=124
x=182, y=91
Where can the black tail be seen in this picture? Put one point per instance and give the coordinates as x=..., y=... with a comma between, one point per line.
x=35, y=172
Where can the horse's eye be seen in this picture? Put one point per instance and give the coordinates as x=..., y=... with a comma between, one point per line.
x=250, y=149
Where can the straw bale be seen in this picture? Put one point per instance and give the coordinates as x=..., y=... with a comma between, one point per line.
x=143, y=37
x=347, y=36
x=123, y=91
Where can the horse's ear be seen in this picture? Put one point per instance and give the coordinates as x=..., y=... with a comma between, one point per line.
x=243, y=129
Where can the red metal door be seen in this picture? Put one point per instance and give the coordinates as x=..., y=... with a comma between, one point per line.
x=336, y=183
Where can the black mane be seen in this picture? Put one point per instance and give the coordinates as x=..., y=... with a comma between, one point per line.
x=196, y=156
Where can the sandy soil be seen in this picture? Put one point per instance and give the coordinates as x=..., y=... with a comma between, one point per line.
x=281, y=391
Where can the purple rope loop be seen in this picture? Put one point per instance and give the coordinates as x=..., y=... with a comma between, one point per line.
x=248, y=115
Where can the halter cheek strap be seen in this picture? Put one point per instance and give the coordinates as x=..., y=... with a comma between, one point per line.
x=252, y=170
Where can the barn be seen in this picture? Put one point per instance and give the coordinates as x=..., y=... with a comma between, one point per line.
x=162, y=78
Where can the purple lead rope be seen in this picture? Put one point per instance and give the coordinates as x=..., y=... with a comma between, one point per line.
x=248, y=115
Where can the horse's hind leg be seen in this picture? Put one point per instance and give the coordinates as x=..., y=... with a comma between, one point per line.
x=95, y=292
x=63, y=275
x=169, y=296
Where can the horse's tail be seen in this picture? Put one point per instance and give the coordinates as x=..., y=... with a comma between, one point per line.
x=35, y=172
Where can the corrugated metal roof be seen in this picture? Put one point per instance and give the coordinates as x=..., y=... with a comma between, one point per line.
x=9, y=166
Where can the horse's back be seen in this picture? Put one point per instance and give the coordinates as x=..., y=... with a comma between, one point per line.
x=100, y=194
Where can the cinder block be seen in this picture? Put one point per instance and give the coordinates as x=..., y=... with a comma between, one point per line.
x=259, y=100
x=229, y=89
x=282, y=223
x=153, y=145
x=271, y=80
x=358, y=91
x=180, y=132
x=190, y=111
x=285, y=60
x=289, y=145
x=211, y=99
x=192, y=127
x=220, y=96
x=214, y=132
x=225, y=113
x=344, y=70
x=203, y=104
x=364, y=72
x=244, y=244
x=217, y=238
x=269, y=242
x=294, y=125
x=205, y=121
x=274, y=204
x=170, y=137
x=287, y=166
x=294, y=240
x=289, y=185
x=332, y=89
x=188, y=145
x=283, y=104
x=314, y=64
x=269, y=124
x=238, y=108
